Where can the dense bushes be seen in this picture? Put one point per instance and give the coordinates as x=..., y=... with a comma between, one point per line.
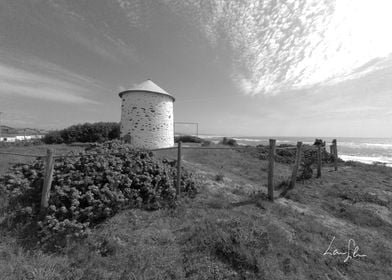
x=191, y=139
x=287, y=156
x=318, y=142
x=95, y=132
x=229, y=141
x=53, y=137
x=88, y=189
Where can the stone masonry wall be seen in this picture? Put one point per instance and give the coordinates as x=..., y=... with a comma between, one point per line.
x=148, y=119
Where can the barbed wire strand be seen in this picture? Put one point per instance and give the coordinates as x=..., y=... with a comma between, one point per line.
x=154, y=150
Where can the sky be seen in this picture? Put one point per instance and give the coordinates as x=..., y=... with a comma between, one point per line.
x=238, y=68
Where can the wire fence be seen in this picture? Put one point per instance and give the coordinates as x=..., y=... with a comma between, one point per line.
x=50, y=158
x=17, y=154
x=154, y=150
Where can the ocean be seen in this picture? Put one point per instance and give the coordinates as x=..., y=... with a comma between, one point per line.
x=365, y=150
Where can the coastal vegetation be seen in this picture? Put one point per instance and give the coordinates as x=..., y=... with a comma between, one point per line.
x=87, y=189
x=87, y=132
x=225, y=228
x=191, y=139
x=229, y=141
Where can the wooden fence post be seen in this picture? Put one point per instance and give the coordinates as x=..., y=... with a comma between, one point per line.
x=335, y=154
x=271, y=168
x=318, y=161
x=331, y=150
x=296, y=165
x=178, y=185
x=47, y=180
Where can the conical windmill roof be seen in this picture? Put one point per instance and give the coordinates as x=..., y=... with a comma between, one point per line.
x=147, y=86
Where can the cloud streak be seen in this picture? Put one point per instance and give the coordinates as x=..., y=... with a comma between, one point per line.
x=94, y=34
x=80, y=22
x=277, y=46
x=269, y=46
x=266, y=39
x=45, y=81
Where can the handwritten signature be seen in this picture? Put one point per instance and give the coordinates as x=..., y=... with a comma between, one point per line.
x=352, y=250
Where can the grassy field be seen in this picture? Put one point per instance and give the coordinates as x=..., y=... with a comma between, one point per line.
x=230, y=231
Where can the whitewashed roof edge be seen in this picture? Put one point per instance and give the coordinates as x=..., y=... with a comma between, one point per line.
x=147, y=86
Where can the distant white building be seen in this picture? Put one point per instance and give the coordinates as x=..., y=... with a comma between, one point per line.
x=19, y=138
x=147, y=116
x=8, y=139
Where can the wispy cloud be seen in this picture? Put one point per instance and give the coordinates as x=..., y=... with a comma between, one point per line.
x=134, y=12
x=46, y=81
x=80, y=22
x=276, y=46
x=266, y=39
x=376, y=65
x=92, y=33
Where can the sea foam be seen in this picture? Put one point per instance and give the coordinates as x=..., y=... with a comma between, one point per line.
x=368, y=160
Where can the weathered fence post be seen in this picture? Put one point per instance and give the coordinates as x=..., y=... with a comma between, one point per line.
x=296, y=165
x=178, y=185
x=319, y=161
x=271, y=168
x=331, y=150
x=335, y=153
x=47, y=180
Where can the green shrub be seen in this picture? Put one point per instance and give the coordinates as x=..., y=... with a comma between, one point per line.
x=229, y=141
x=191, y=139
x=53, y=137
x=95, y=132
x=88, y=189
x=219, y=177
x=319, y=142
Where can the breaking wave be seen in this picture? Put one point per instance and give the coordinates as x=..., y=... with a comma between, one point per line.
x=368, y=160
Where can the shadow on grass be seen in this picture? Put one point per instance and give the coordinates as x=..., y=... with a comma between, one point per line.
x=229, y=241
x=258, y=200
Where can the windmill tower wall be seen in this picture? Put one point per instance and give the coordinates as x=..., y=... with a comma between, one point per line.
x=147, y=117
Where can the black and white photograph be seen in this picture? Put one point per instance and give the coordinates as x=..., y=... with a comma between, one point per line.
x=195, y=139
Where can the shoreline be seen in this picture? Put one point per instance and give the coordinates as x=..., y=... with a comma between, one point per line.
x=367, y=160
x=349, y=150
